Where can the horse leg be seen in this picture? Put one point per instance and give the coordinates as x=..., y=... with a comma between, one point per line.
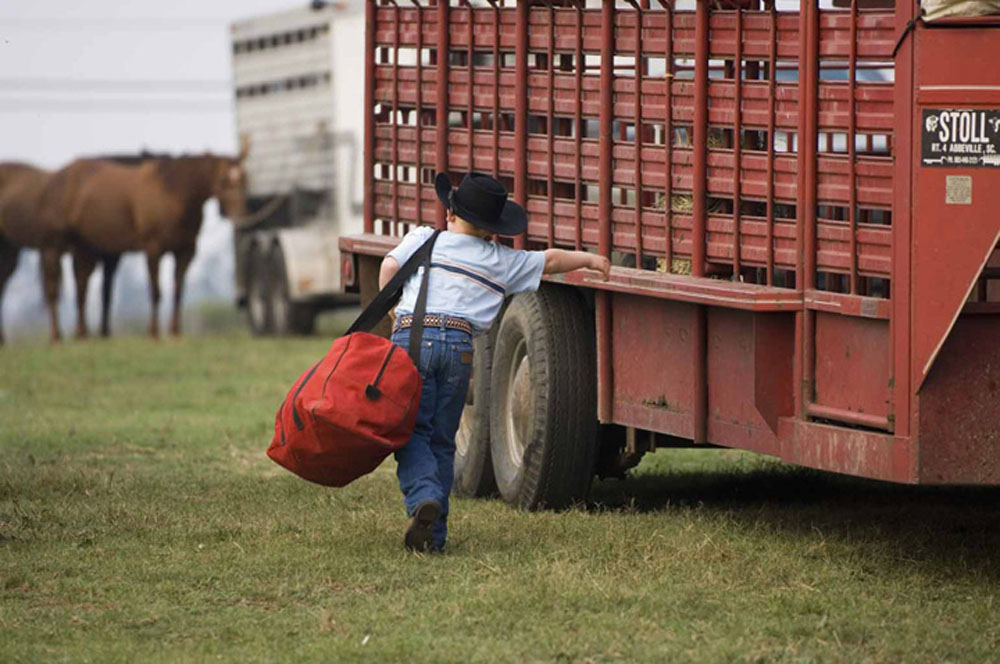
x=182, y=259
x=110, y=267
x=84, y=261
x=51, y=278
x=8, y=262
x=153, y=263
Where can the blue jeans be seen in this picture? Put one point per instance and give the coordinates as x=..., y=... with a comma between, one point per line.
x=426, y=464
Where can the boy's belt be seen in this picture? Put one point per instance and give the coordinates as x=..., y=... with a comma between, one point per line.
x=434, y=320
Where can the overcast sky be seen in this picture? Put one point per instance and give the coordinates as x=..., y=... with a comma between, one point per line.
x=102, y=76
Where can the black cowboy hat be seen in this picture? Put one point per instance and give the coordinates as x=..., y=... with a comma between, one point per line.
x=482, y=201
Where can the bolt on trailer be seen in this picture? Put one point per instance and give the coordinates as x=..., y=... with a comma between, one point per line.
x=297, y=78
x=800, y=202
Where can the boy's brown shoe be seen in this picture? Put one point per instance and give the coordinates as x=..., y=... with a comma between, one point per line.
x=418, y=532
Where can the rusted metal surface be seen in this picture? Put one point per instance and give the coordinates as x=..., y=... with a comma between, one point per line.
x=755, y=173
x=960, y=407
x=850, y=451
x=852, y=370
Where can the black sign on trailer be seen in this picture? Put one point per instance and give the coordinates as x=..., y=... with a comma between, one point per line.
x=965, y=138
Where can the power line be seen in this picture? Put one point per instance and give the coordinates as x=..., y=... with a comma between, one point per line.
x=52, y=105
x=112, y=84
x=112, y=23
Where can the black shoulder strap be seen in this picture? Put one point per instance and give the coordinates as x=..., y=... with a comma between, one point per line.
x=389, y=296
x=420, y=307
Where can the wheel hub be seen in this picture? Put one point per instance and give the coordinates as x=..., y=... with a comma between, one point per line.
x=466, y=424
x=519, y=406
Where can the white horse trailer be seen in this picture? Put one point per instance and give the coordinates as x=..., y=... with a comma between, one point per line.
x=298, y=78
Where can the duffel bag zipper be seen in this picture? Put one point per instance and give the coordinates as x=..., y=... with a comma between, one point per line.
x=372, y=391
x=299, y=424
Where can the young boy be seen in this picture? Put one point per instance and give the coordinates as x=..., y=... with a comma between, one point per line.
x=470, y=277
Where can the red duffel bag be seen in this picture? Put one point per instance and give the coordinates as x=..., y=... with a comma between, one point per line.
x=358, y=404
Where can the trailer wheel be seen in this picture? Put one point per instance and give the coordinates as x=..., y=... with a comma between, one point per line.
x=258, y=298
x=289, y=317
x=543, y=424
x=473, y=465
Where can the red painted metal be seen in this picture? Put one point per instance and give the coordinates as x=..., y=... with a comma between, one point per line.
x=369, y=157
x=441, y=105
x=772, y=54
x=737, y=73
x=859, y=340
x=578, y=128
x=605, y=375
x=699, y=150
x=852, y=130
x=668, y=135
x=521, y=111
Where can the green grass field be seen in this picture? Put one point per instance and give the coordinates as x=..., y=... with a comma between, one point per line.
x=140, y=520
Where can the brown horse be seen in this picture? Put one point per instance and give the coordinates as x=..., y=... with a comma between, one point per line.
x=155, y=207
x=31, y=216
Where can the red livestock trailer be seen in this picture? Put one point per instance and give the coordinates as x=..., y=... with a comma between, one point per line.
x=802, y=207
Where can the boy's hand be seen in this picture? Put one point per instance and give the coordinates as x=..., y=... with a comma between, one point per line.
x=601, y=264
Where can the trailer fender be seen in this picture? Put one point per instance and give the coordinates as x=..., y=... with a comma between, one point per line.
x=312, y=260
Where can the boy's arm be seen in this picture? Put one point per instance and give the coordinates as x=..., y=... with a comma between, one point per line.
x=388, y=270
x=561, y=260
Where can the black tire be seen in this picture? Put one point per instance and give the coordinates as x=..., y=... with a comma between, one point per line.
x=288, y=317
x=543, y=424
x=258, y=295
x=473, y=465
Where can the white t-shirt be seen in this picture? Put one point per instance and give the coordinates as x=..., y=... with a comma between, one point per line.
x=469, y=276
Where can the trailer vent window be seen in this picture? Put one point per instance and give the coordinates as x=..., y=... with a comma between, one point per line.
x=786, y=141
x=784, y=278
x=877, y=287
x=684, y=69
x=988, y=286
x=832, y=212
x=874, y=217
x=833, y=282
x=754, y=139
x=482, y=120
x=652, y=132
x=406, y=174
x=624, y=65
x=404, y=57
x=563, y=127
x=623, y=197
x=482, y=59
x=287, y=38
x=538, y=124
x=564, y=190
x=283, y=85
x=567, y=62
x=405, y=117
x=785, y=211
x=655, y=67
